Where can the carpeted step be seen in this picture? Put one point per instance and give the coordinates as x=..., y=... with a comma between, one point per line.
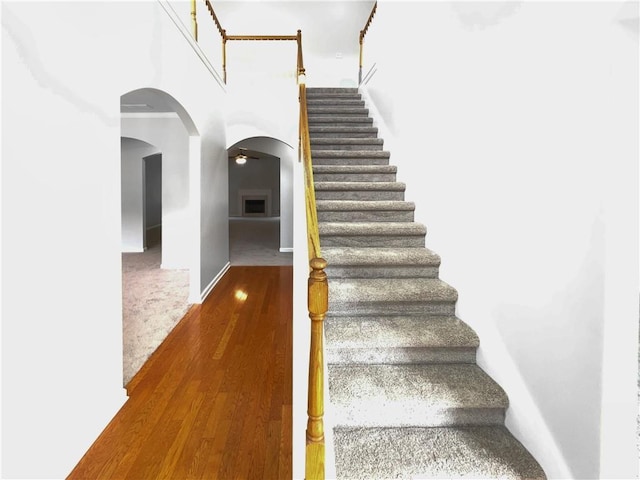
x=359, y=190
x=352, y=100
x=347, y=155
x=342, y=120
x=347, y=131
x=369, y=211
x=336, y=110
x=414, y=395
x=354, y=173
x=370, y=262
x=332, y=91
x=372, y=234
x=346, y=144
x=443, y=452
x=398, y=296
x=399, y=340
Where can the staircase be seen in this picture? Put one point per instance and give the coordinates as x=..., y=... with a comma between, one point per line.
x=408, y=398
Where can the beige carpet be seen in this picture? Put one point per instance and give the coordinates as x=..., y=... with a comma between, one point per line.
x=155, y=300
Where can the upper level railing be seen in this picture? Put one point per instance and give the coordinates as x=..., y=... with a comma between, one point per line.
x=317, y=287
x=363, y=32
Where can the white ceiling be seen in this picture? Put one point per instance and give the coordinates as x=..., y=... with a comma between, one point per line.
x=328, y=27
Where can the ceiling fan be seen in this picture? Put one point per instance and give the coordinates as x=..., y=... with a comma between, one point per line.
x=241, y=155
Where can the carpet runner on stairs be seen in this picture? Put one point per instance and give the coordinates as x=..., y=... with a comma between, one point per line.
x=408, y=397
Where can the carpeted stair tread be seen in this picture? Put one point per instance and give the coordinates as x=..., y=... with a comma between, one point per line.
x=353, y=205
x=361, y=291
x=340, y=120
x=369, y=173
x=380, y=262
x=333, y=91
x=365, y=211
x=337, y=110
x=379, y=257
x=399, y=339
x=445, y=452
x=363, y=190
x=372, y=234
x=354, y=186
x=415, y=395
x=354, y=143
x=345, y=131
x=354, y=100
x=354, y=169
x=347, y=154
x=371, y=228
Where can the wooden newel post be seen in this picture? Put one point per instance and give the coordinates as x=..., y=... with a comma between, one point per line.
x=318, y=302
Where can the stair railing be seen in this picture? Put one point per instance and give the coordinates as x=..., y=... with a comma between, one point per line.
x=363, y=32
x=223, y=34
x=317, y=297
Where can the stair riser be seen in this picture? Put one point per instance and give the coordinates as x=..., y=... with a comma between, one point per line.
x=399, y=356
x=347, y=146
x=359, y=195
x=389, y=308
x=328, y=135
x=331, y=112
x=317, y=160
x=321, y=153
x=335, y=102
x=400, y=416
x=409, y=241
x=354, y=177
x=366, y=216
x=342, y=121
x=367, y=271
x=333, y=91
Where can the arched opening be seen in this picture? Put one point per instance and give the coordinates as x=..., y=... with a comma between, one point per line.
x=260, y=202
x=159, y=155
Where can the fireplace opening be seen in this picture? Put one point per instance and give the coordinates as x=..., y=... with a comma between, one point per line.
x=254, y=206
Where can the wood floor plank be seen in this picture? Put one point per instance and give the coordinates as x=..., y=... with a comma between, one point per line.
x=214, y=400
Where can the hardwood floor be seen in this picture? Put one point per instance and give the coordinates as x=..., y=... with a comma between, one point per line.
x=214, y=400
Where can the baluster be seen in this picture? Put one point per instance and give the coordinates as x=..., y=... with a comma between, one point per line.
x=318, y=303
x=194, y=21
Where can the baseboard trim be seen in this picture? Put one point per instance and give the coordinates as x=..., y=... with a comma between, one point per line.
x=205, y=293
x=286, y=250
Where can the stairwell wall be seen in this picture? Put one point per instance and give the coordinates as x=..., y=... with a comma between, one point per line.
x=64, y=67
x=516, y=131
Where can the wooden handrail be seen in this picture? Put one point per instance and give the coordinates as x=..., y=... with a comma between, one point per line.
x=363, y=32
x=317, y=297
x=223, y=34
x=215, y=19
x=262, y=37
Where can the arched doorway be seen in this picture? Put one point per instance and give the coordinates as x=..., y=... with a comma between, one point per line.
x=159, y=267
x=261, y=202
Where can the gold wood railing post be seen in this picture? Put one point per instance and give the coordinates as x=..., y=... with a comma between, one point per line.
x=300, y=68
x=194, y=21
x=360, y=64
x=318, y=306
x=224, y=56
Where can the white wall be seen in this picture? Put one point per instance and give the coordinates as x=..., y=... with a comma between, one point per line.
x=62, y=356
x=515, y=127
x=132, y=192
x=169, y=134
